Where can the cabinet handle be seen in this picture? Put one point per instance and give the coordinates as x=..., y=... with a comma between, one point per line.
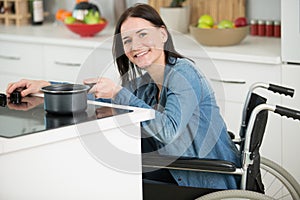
x=67, y=64
x=229, y=81
x=10, y=57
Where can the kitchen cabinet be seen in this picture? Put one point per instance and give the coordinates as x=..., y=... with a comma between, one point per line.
x=54, y=62
x=20, y=59
x=74, y=64
x=99, y=63
x=290, y=128
x=63, y=63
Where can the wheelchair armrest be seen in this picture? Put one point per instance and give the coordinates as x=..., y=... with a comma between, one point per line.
x=231, y=134
x=187, y=163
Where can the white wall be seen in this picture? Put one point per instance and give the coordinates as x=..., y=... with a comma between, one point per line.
x=263, y=9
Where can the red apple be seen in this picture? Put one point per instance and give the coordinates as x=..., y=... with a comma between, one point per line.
x=240, y=21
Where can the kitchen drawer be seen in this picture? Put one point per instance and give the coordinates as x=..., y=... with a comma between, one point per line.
x=64, y=63
x=99, y=63
x=236, y=78
x=23, y=59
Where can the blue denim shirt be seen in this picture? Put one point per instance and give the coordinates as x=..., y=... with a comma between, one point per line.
x=187, y=121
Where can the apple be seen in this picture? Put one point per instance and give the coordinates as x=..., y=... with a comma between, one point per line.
x=225, y=24
x=240, y=21
x=206, y=19
x=92, y=17
x=69, y=20
x=203, y=25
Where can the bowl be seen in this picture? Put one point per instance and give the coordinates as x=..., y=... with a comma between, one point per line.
x=86, y=30
x=219, y=37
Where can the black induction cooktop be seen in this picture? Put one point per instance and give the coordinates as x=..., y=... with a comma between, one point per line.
x=28, y=117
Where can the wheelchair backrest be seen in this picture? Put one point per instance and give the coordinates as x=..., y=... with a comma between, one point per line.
x=254, y=181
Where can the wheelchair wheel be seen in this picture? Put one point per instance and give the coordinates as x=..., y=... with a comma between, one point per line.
x=279, y=184
x=235, y=194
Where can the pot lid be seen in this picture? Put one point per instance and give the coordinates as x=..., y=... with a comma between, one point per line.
x=65, y=88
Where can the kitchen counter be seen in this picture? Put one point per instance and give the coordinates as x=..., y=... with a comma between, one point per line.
x=252, y=49
x=88, y=160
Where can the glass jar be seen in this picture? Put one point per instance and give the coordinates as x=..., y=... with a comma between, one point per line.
x=261, y=28
x=277, y=29
x=253, y=27
x=269, y=28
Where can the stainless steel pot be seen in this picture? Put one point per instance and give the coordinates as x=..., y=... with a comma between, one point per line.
x=65, y=98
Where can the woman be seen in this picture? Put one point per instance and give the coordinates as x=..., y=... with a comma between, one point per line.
x=187, y=120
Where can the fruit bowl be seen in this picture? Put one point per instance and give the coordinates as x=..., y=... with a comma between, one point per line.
x=219, y=37
x=86, y=30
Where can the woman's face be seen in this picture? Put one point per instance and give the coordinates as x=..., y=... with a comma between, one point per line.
x=143, y=43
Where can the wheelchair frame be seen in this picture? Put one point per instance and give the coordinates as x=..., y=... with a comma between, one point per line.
x=225, y=167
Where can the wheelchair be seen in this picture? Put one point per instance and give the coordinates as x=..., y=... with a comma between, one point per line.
x=277, y=184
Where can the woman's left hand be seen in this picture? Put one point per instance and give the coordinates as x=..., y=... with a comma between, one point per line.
x=103, y=88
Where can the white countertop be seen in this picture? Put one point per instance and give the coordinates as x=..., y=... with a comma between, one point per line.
x=251, y=49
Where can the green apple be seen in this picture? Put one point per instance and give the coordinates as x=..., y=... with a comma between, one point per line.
x=203, y=25
x=92, y=17
x=69, y=20
x=206, y=19
x=225, y=24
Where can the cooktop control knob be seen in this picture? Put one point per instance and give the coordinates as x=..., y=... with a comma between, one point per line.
x=3, y=100
x=15, y=97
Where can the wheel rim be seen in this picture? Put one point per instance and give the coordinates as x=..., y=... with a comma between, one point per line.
x=279, y=184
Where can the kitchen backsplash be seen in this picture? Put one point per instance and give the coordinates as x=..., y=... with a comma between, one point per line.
x=263, y=9
x=255, y=9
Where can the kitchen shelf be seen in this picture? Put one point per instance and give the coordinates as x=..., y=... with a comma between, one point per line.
x=16, y=12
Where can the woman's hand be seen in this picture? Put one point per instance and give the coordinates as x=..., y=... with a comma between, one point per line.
x=27, y=86
x=103, y=88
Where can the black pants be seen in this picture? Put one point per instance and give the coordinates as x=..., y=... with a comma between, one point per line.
x=161, y=175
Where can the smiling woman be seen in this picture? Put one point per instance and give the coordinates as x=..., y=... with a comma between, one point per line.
x=154, y=75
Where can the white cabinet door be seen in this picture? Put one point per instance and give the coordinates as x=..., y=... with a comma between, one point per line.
x=21, y=59
x=64, y=63
x=291, y=128
x=237, y=77
x=99, y=63
x=76, y=64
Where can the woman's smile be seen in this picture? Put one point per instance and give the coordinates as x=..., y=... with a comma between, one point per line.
x=139, y=54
